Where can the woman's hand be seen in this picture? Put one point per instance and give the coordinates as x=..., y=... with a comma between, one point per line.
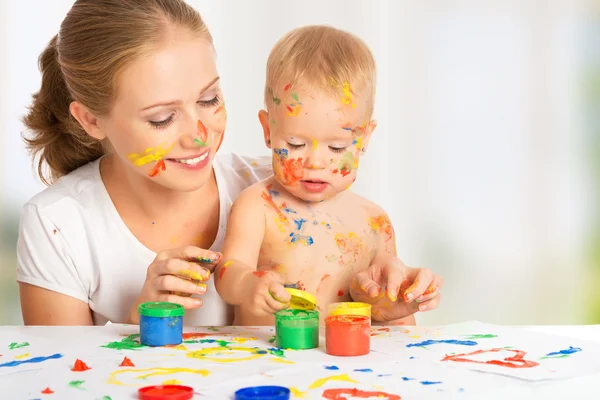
x=175, y=275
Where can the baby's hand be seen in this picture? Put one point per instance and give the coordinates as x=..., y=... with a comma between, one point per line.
x=266, y=294
x=395, y=290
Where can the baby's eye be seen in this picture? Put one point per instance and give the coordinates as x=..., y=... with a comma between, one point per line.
x=295, y=146
x=337, y=149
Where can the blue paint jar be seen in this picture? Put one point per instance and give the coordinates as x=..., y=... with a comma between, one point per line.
x=161, y=323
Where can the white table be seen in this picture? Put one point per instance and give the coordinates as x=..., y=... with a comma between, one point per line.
x=84, y=343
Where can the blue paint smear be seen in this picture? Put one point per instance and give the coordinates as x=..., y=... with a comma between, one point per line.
x=328, y=226
x=382, y=375
x=448, y=341
x=363, y=370
x=347, y=128
x=281, y=152
x=332, y=367
x=289, y=210
x=33, y=360
x=261, y=352
x=429, y=383
x=570, y=350
x=295, y=238
x=273, y=193
x=404, y=378
x=411, y=358
x=315, y=222
x=299, y=223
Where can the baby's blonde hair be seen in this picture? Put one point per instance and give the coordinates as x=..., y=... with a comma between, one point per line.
x=323, y=57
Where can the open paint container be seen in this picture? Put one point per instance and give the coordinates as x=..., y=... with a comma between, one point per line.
x=298, y=326
x=348, y=329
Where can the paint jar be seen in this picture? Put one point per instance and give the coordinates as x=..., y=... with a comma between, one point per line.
x=349, y=308
x=161, y=323
x=348, y=335
x=263, y=393
x=297, y=329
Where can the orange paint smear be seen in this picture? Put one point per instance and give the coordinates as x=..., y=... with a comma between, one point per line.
x=195, y=335
x=267, y=197
x=382, y=224
x=343, y=394
x=222, y=272
x=292, y=171
x=515, y=361
x=80, y=366
x=160, y=166
x=202, y=132
x=126, y=362
x=218, y=110
x=430, y=290
x=259, y=274
x=220, y=141
x=285, y=89
x=322, y=279
x=47, y=391
x=340, y=292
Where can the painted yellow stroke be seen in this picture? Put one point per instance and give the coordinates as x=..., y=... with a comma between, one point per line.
x=205, y=354
x=320, y=382
x=113, y=380
x=282, y=361
x=149, y=155
x=171, y=382
x=22, y=356
x=297, y=393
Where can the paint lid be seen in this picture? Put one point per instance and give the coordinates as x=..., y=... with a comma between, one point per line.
x=160, y=309
x=263, y=393
x=302, y=300
x=166, y=392
x=349, y=308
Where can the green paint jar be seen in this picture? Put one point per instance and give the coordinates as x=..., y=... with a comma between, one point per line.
x=297, y=329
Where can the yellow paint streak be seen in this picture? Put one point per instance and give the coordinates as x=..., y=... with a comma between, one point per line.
x=242, y=340
x=315, y=144
x=359, y=143
x=320, y=382
x=281, y=361
x=172, y=382
x=191, y=274
x=297, y=393
x=227, y=264
x=149, y=155
x=113, y=380
x=22, y=356
x=204, y=353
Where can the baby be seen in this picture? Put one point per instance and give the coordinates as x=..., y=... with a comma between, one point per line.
x=303, y=225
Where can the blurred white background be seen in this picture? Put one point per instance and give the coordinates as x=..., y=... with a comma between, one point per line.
x=485, y=156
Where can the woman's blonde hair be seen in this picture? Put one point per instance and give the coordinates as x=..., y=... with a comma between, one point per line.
x=321, y=56
x=97, y=40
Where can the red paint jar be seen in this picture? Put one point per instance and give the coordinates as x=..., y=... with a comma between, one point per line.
x=348, y=335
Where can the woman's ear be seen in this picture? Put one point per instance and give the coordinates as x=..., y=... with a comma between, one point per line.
x=263, y=117
x=86, y=119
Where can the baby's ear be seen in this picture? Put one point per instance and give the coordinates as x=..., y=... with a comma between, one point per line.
x=368, y=132
x=263, y=117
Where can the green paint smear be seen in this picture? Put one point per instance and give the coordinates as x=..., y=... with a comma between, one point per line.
x=212, y=328
x=200, y=142
x=481, y=336
x=272, y=340
x=129, y=343
x=106, y=398
x=561, y=356
x=277, y=352
x=276, y=101
x=76, y=384
x=15, y=345
x=295, y=97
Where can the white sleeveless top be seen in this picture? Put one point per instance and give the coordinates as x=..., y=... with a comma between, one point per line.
x=73, y=241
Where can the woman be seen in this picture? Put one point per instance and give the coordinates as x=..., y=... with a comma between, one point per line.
x=129, y=119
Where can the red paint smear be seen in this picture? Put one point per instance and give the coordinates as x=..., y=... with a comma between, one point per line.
x=80, y=366
x=160, y=165
x=335, y=171
x=322, y=279
x=218, y=110
x=515, y=361
x=293, y=170
x=126, y=362
x=430, y=290
x=260, y=274
x=285, y=89
x=202, y=132
x=344, y=172
x=270, y=201
x=301, y=286
x=47, y=391
x=220, y=141
x=222, y=272
x=340, y=292
x=290, y=109
x=383, y=329
x=54, y=231
x=339, y=394
x=194, y=335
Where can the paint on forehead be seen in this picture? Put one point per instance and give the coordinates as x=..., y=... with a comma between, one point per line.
x=287, y=87
x=358, y=142
x=295, y=97
x=149, y=155
x=276, y=100
x=293, y=109
x=347, y=90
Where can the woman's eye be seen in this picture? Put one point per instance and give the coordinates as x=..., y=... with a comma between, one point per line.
x=161, y=124
x=210, y=103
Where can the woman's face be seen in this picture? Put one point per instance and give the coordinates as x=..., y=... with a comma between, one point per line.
x=169, y=117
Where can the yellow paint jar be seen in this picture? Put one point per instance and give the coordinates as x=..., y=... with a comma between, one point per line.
x=349, y=308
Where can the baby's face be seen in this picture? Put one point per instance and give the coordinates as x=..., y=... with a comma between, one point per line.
x=317, y=141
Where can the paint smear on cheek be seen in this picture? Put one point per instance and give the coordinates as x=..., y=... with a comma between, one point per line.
x=149, y=155
x=202, y=139
x=347, y=164
x=290, y=171
x=160, y=166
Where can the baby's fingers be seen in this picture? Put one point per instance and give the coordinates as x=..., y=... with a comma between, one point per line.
x=431, y=304
x=278, y=293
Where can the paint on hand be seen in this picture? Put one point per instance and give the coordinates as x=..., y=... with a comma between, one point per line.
x=222, y=271
x=34, y=360
x=15, y=345
x=358, y=143
x=259, y=274
x=149, y=155
x=347, y=163
x=79, y=366
x=563, y=353
x=515, y=361
x=339, y=394
x=126, y=362
x=202, y=139
x=320, y=382
x=340, y=293
x=160, y=166
x=448, y=341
